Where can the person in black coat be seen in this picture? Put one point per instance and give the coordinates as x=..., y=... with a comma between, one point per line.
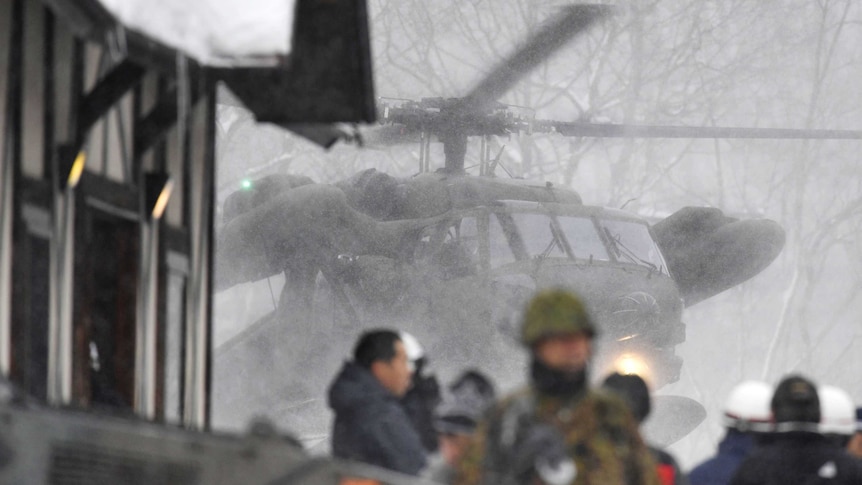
x=634, y=392
x=797, y=453
x=371, y=425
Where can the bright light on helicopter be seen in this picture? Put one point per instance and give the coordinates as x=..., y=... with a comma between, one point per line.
x=245, y=184
x=632, y=364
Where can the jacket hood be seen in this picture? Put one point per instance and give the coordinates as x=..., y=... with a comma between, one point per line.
x=354, y=388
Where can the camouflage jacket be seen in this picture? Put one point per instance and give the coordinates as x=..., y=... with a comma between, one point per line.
x=599, y=434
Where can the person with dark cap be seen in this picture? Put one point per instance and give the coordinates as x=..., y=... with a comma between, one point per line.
x=456, y=420
x=557, y=430
x=635, y=393
x=854, y=447
x=797, y=452
x=371, y=425
x=747, y=419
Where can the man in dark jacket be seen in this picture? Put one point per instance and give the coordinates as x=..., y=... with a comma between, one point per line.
x=371, y=425
x=797, y=452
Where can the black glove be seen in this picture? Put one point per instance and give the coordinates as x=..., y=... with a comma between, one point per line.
x=428, y=389
x=419, y=402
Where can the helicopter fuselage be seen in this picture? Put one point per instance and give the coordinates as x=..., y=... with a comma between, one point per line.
x=453, y=258
x=471, y=273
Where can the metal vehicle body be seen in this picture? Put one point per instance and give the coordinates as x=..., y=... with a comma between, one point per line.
x=454, y=257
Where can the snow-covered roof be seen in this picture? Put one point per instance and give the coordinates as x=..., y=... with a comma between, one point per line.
x=213, y=32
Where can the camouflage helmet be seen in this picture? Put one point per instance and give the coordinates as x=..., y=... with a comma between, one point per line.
x=554, y=312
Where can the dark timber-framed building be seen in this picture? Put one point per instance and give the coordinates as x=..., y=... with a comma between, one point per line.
x=100, y=295
x=105, y=290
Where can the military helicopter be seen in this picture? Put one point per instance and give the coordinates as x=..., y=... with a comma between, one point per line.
x=454, y=256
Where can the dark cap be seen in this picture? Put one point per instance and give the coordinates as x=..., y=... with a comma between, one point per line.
x=634, y=391
x=795, y=401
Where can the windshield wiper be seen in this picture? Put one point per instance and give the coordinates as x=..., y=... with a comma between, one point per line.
x=558, y=240
x=561, y=238
x=621, y=249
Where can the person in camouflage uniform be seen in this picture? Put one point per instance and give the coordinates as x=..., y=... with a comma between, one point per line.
x=557, y=430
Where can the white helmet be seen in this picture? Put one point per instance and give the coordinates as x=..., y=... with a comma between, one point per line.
x=412, y=347
x=747, y=408
x=837, y=412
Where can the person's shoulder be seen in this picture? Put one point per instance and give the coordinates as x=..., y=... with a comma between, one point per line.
x=755, y=466
x=379, y=409
x=760, y=453
x=847, y=465
x=605, y=397
x=709, y=464
x=607, y=404
x=703, y=470
x=520, y=397
x=516, y=403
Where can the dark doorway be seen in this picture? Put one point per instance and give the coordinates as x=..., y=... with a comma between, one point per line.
x=107, y=339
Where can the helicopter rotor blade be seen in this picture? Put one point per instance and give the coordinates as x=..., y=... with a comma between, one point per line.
x=323, y=134
x=605, y=130
x=574, y=20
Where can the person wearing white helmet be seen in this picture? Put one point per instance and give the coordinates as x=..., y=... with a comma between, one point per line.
x=423, y=396
x=797, y=452
x=414, y=350
x=746, y=416
x=837, y=414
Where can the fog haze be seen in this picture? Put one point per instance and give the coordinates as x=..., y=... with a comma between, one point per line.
x=776, y=64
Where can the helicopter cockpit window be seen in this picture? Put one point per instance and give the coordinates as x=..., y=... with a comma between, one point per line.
x=530, y=235
x=540, y=236
x=505, y=245
x=518, y=236
x=631, y=242
x=583, y=238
